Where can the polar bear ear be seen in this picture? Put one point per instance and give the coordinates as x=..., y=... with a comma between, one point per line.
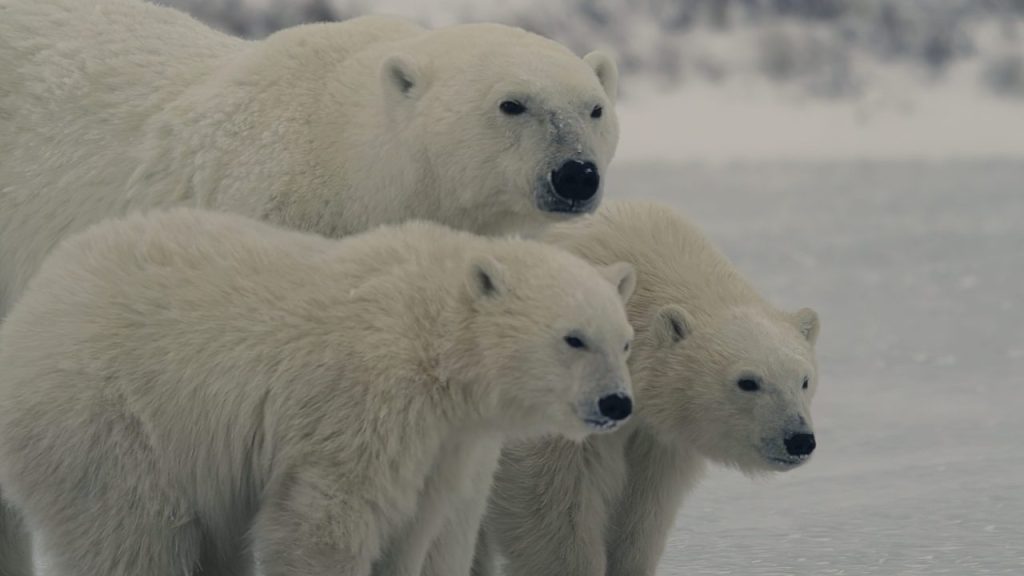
x=606, y=70
x=622, y=275
x=671, y=324
x=807, y=322
x=399, y=77
x=486, y=278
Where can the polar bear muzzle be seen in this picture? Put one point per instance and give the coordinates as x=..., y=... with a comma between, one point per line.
x=800, y=445
x=615, y=407
x=794, y=449
x=574, y=188
x=576, y=181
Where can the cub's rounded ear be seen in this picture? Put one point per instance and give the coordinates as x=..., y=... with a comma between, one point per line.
x=671, y=324
x=622, y=275
x=606, y=70
x=486, y=279
x=400, y=78
x=807, y=322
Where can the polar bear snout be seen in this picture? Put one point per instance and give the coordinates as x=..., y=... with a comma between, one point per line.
x=576, y=181
x=615, y=407
x=608, y=411
x=789, y=448
x=800, y=444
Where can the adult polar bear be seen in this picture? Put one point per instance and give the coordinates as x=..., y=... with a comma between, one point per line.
x=109, y=106
x=719, y=374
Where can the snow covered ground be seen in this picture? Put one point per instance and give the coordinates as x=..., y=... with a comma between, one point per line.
x=917, y=271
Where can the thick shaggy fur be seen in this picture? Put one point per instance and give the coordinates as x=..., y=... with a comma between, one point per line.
x=179, y=389
x=112, y=105
x=605, y=507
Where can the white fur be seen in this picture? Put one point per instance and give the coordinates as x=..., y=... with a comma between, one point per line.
x=604, y=507
x=179, y=387
x=112, y=105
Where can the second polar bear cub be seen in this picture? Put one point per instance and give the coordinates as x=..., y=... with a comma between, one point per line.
x=179, y=388
x=720, y=374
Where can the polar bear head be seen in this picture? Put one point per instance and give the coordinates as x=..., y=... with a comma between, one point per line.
x=547, y=338
x=738, y=387
x=715, y=367
x=512, y=130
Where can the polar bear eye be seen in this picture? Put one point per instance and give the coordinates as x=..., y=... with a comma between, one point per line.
x=748, y=385
x=575, y=342
x=512, y=108
x=805, y=383
x=597, y=112
x=626, y=347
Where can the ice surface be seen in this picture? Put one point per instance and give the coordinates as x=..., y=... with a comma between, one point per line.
x=917, y=271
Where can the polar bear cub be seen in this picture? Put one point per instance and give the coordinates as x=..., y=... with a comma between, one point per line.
x=720, y=375
x=181, y=388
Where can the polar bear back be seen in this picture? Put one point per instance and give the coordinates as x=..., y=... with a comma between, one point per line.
x=153, y=277
x=211, y=330
x=676, y=257
x=69, y=123
x=84, y=105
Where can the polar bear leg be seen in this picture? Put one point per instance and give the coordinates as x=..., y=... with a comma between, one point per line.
x=657, y=479
x=439, y=540
x=452, y=552
x=15, y=544
x=485, y=557
x=309, y=526
x=454, y=549
x=551, y=520
x=140, y=535
x=107, y=510
x=409, y=547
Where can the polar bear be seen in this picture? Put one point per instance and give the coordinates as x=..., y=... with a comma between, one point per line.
x=112, y=105
x=174, y=383
x=719, y=374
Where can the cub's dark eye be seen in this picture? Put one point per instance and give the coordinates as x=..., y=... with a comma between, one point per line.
x=626, y=347
x=575, y=342
x=512, y=108
x=805, y=383
x=597, y=112
x=748, y=385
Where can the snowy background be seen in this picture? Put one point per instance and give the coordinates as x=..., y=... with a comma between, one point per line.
x=865, y=158
x=719, y=80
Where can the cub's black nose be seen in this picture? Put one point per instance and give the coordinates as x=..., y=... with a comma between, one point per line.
x=576, y=180
x=800, y=444
x=615, y=406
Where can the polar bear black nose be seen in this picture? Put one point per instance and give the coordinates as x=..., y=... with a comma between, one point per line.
x=800, y=444
x=576, y=180
x=615, y=406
